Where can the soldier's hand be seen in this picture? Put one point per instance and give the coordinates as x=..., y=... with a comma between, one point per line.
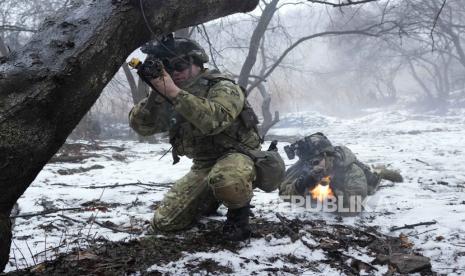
x=306, y=181
x=165, y=85
x=151, y=68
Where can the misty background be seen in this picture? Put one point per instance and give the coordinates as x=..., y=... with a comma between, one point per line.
x=339, y=61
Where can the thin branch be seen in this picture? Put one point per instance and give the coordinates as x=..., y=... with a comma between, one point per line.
x=210, y=45
x=14, y=28
x=411, y=226
x=107, y=226
x=365, y=32
x=129, y=184
x=436, y=18
x=46, y=212
x=342, y=4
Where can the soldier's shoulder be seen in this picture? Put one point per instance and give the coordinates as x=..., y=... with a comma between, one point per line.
x=216, y=75
x=217, y=79
x=219, y=84
x=344, y=155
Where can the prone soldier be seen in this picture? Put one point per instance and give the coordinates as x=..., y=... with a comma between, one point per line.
x=321, y=163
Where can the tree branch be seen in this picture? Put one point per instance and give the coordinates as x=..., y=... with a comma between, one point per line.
x=14, y=28
x=436, y=18
x=365, y=32
x=411, y=226
x=257, y=35
x=342, y=3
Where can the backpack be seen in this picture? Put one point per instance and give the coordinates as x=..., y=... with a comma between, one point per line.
x=269, y=165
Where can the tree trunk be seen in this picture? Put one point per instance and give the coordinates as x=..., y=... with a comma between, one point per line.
x=138, y=91
x=47, y=86
x=415, y=75
x=268, y=120
x=131, y=82
x=142, y=90
x=257, y=36
x=3, y=48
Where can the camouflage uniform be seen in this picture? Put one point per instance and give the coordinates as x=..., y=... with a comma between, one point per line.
x=202, y=124
x=349, y=176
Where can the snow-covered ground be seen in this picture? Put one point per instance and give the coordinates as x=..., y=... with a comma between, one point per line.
x=428, y=150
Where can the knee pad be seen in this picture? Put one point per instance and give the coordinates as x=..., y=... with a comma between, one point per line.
x=231, y=180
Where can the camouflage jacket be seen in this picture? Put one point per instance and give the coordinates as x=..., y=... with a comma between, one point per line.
x=348, y=178
x=203, y=120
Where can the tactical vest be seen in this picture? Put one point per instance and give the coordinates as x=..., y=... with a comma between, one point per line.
x=187, y=140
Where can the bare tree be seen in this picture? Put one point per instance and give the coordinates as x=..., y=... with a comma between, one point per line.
x=432, y=47
x=262, y=59
x=3, y=49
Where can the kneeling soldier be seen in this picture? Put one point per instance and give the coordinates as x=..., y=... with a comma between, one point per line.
x=203, y=111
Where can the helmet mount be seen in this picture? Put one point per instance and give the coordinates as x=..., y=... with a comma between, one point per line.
x=170, y=47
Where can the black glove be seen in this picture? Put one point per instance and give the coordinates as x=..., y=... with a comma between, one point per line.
x=273, y=146
x=152, y=68
x=308, y=179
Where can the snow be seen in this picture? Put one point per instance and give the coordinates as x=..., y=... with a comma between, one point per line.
x=427, y=149
x=258, y=252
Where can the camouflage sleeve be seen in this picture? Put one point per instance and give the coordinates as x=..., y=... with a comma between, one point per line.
x=213, y=114
x=355, y=183
x=148, y=122
x=287, y=188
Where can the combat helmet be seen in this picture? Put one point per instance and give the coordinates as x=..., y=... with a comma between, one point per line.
x=170, y=47
x=318, y=143
x=314, y=145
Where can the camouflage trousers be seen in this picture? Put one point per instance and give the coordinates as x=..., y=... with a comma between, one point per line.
x=5, y=240
x=203, y=188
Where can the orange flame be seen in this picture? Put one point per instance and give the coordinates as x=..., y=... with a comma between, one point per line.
x=322, y=190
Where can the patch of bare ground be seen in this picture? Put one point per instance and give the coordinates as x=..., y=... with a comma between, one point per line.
x=137, y=256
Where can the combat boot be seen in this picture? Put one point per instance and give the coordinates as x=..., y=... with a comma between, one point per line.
x=390, y=175
x=236, y=226
x=5, y=240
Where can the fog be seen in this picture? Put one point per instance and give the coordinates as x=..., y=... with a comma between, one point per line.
x=397, y=55
x=383, y=81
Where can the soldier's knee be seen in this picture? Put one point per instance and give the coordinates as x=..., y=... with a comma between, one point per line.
x=164, y=224
x=231, y=180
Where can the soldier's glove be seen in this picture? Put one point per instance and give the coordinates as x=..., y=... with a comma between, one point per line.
x=307, y=180
x=140, y=115
x=152, y=68
x=273, y=146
